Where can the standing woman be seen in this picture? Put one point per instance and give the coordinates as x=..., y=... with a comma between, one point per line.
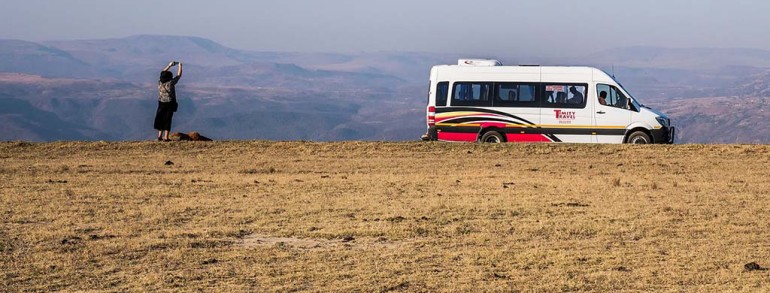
x=167, y=104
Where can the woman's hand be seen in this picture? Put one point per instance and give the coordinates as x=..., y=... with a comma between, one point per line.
x=170, y=64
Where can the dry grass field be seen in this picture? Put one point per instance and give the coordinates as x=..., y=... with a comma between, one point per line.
x=369, y=216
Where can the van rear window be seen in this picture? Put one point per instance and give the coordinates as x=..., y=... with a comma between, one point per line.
x=442, y=92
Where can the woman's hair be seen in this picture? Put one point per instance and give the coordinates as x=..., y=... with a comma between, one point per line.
x=166, y=76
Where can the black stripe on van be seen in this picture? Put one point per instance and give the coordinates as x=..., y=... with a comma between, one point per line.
x=483, y=110
x=553, y=138
x=572, y=131
x=459, y=129
x=466, y=119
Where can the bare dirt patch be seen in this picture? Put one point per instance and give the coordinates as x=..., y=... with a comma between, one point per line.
x=347, y=242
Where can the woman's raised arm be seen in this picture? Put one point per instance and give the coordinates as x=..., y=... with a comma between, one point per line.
x=170, y=64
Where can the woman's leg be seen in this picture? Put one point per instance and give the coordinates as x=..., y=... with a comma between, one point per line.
x=168, y=125
x=159, y=124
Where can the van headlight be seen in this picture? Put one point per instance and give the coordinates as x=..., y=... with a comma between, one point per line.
x=665, y=122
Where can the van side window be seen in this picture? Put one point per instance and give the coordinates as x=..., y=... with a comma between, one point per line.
x=564, y=95
x=471, y=94
x=442, y=91
x=614, y=97
x=515, y=95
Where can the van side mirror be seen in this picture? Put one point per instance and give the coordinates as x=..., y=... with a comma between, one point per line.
x=630, y=106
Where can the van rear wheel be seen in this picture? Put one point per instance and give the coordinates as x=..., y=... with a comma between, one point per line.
x=639, y=137
x=492, y=137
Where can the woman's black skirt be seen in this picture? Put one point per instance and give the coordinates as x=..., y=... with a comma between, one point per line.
x=164, y=114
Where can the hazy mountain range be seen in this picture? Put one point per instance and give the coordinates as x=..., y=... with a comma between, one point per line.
x=106, y=89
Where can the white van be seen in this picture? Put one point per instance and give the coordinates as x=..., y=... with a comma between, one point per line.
x=481, y=100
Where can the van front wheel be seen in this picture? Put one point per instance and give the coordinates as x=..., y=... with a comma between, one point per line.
x=492, y=137
x=639, y=137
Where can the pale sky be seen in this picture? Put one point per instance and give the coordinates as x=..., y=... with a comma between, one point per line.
x=510, y=28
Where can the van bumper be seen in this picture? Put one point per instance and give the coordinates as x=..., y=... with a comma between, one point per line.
x=664, y=135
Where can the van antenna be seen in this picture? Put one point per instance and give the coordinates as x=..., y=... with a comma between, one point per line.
x=613, y=70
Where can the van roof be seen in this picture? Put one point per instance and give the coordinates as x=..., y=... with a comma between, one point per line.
x=587, y=72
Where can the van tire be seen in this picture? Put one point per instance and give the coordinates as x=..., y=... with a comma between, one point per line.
x=639, y=137
x=492, y=137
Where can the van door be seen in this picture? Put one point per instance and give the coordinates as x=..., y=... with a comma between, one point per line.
x=611, y=115
x=564, y=114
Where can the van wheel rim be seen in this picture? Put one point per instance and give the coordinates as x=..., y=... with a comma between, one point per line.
x=493, y=139
x=639, y=140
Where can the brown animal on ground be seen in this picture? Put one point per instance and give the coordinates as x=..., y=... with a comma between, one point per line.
x=192, y=136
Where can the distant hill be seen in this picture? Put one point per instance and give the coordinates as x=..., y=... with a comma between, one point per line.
x=135, y=58
x=756, y=86
x=721, y=119
x=105, y=89
x=32, y=58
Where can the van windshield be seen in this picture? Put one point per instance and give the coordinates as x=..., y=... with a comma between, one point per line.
x=634, y=103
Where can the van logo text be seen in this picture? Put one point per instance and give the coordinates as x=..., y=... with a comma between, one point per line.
x=564, y=115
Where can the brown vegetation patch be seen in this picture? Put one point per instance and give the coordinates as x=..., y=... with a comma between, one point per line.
x=373, y=216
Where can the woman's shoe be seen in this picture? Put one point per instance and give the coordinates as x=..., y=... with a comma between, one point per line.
x=160, y=139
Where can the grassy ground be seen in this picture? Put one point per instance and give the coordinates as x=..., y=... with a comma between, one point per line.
x=355, y=216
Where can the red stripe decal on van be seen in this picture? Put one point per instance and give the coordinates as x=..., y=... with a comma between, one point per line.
x=518, y=137
x=455, y=136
